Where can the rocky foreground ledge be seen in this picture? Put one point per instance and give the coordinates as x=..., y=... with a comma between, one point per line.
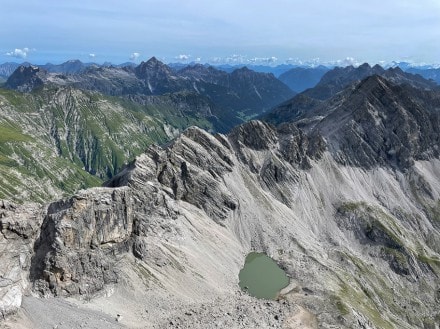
x=162, y=244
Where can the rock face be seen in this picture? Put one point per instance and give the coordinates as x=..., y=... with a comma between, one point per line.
x=19, y=227
x=70, y=253
x=26, y=78
x=171, y=231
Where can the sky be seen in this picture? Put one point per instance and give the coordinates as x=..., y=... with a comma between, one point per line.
x=227, y=31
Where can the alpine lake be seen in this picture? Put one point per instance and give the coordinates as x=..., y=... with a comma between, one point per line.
x=261, y=277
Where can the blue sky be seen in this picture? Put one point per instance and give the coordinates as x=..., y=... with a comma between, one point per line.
x=247, y=31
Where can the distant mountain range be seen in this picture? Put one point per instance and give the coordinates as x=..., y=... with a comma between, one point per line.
x=297, y=77
x=69, y=67
x=238, y=95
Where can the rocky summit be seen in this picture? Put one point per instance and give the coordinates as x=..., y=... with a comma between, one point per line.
x=345, y=199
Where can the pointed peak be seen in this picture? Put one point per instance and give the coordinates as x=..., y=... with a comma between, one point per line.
x=152, y=66
x=154, y=60
x=377, y=67
x=396, y=69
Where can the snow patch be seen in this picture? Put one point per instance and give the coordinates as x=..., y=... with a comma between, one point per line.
x=258, y=94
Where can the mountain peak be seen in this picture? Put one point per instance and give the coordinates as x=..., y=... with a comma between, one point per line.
x=152, y=67
x=396, y=70
x=152, y=63
x=154, y=60
x=364, y=66
x=26, y=78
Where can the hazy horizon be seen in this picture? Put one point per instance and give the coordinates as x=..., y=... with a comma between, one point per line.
x=227, y=32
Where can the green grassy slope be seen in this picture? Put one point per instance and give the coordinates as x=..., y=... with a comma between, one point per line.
x=55, y=141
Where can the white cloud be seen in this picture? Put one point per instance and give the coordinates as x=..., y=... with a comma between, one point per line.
x=233, y=59
x=263, y=60
x=183, y=57
x=91, y=56
x=347, y=62
x=134, y=56
x=314, y=62
x=236, y=59
x=19, y=53
x=243, y=59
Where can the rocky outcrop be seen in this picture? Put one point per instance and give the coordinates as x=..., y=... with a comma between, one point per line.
x=79, y=238
x=26, y=78
x=19, y=227
x=190, y=168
